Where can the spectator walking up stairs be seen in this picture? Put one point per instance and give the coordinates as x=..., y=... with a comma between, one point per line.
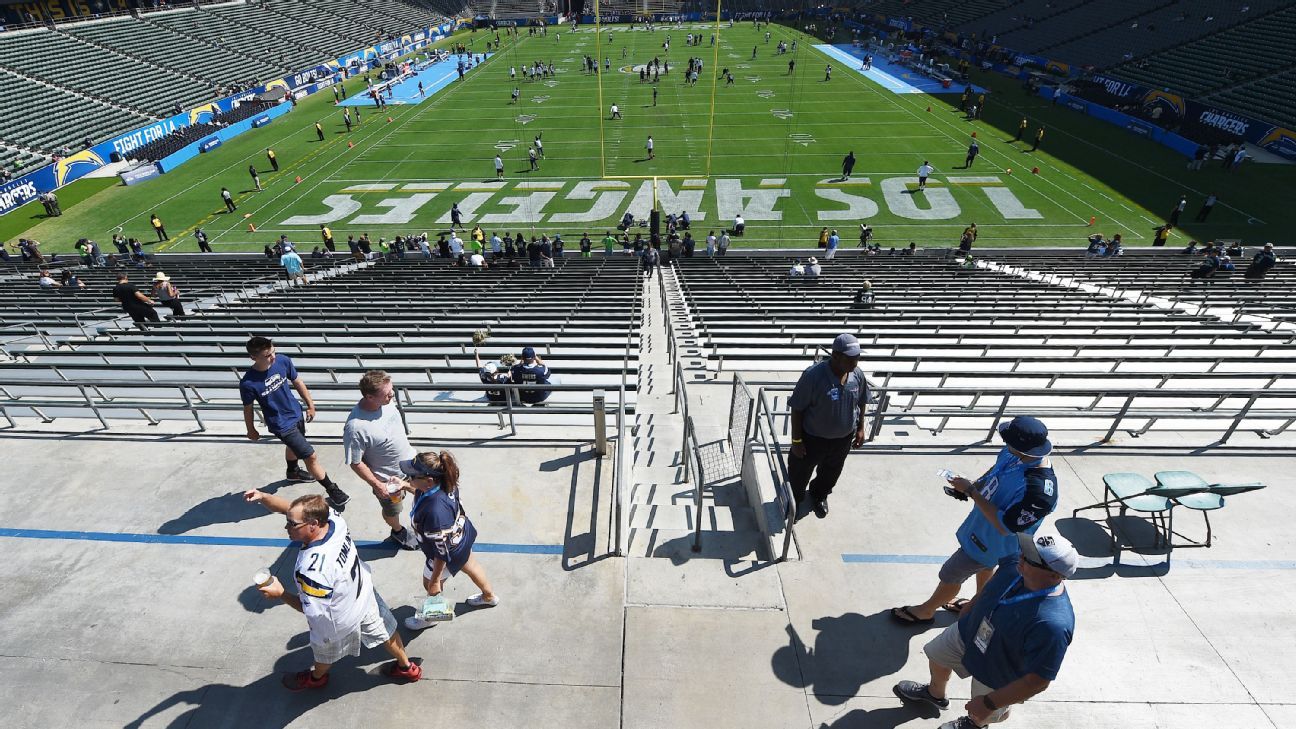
x=662, y=505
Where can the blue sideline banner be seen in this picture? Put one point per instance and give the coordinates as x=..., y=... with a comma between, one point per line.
x=18, y=192
x=172, y=161
x=139, y=174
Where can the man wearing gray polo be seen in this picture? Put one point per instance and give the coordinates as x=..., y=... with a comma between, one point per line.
x=827, y=421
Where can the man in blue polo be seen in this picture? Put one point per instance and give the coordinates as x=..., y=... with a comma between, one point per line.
x=1011, y=639
x=1012, y=498
x=267, y=383
x=531, y=371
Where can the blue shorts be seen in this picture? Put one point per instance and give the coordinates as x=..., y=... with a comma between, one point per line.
x=295, y=438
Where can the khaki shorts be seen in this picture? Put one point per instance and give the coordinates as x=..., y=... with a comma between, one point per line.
x=946, y=650
x=375, y=629
x=959, y=568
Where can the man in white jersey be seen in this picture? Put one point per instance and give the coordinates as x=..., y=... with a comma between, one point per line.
x=334, y=591
x=374, y=444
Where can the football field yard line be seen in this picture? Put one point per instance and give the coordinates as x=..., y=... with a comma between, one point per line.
x=894, y=99
x=412, y=111
x=1143, y=168
x=269, y=213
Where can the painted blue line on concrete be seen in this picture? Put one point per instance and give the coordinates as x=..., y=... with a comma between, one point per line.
x=1088, y=562
x=242, y=541
x=893, y=558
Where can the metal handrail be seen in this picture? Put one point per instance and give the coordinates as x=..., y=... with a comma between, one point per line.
x=621, y=470
x=767, y=435
x=692, y=455
x=184, y=403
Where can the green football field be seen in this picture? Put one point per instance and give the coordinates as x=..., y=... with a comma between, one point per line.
x=768, y=147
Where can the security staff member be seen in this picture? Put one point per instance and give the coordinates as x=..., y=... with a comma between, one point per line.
x=827, y=420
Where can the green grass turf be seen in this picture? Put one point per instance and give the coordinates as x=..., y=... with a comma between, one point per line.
x=744, y=154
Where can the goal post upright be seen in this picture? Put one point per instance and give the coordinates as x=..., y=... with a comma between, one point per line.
x=715, y=64
x=598, y=53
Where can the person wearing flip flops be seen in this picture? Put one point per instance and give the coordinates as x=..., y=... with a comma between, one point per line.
x=1013, y=497
x=1012, y=638
x=444, y=531
x=335, y=592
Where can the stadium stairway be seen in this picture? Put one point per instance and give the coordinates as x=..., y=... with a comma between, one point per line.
x=662, y=507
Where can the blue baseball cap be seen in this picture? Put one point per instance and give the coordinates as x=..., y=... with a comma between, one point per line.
x=1026, y=435
x=528, y=353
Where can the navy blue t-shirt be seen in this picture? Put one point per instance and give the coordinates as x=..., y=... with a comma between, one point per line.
x=443, y=530
x=272, y=389
x=1030, y=635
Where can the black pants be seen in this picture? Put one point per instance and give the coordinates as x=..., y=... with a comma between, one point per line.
x=143, y=313
x=230, y=206
x=177, y=308
x=827, y=456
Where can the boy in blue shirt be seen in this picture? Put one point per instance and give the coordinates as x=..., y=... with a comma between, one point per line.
x=1012, y=498
x=266, y=383
x=1010, y=640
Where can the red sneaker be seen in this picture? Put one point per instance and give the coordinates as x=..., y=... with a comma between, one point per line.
x=409, y=674
x=304, y=680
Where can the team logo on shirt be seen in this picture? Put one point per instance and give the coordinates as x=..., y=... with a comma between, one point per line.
x=273, y=383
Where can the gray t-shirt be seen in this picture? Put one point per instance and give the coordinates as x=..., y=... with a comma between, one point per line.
x=376, y=438
x=828, y=408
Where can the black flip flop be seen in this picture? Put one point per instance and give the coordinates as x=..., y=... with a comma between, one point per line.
x=904, y=616
x=956, y=605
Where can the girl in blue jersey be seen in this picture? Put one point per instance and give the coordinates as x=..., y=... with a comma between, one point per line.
x=445, y=533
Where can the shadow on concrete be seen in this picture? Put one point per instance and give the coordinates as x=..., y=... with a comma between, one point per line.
x=849, y=651
x=1093, y=541
x=265, y=703
x=582, y=549
x=878, y=718
x=227, y=508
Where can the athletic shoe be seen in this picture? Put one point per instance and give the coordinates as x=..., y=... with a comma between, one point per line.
x=478, y=601
x=408, y=674
x=299, y=474
x=337, y=500
x=405, y=538
x=914, y=691
x=963, y=722
x=304, y=680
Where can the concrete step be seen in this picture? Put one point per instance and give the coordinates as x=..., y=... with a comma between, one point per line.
x=683, y=517
x=677, y=544
x=677, y=494
x=658, y=473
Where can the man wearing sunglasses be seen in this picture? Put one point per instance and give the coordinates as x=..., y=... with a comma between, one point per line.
x=1012, y=498
x=1011, y=638
x=334, y=591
